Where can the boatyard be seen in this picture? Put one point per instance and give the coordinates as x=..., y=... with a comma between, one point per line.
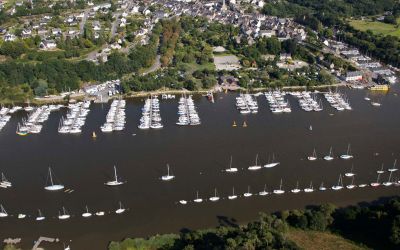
x=131, y=184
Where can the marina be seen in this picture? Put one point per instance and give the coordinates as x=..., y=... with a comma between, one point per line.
x=199, y=158
x=187, y=112
x=115, y=120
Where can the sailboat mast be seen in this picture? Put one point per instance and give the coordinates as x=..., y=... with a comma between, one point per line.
x=51, y=177
x=115, y=173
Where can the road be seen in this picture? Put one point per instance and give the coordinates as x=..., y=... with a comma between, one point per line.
x=83, y=22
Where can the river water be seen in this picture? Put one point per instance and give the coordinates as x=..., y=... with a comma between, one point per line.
x=196, y=156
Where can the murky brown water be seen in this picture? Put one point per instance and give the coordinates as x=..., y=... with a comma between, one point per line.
x=196, y=156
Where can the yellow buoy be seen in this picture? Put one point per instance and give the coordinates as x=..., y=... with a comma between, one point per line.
x=94, y=135
x=234, y=124
x=244, y=124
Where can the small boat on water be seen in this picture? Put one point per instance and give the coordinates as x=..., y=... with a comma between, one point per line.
x=116, y=181
x=63, y=215
x=393, y=169
x=4, y=183
x=52, y=186
x=272, y=164
x=350, y=174
x=348, y=154
x=121, y=209
x=94, y=135
x=183, y=202
x=322, y=187
x=280, y=190
x=3, y=212
x=310, y=128
x=233, y=196
x=234, y=124
x=21, y=216
x=313, y=157
x=376, y=104
x=215, y=197
x=100, y=213
x=376, y=183
x=296, y=189
x=244, y=124
x=86, y=214
x=231, y=169
x=310, y=189
x=40, y=216
x=247, y=194
x=389, y=181
x=167, y=177
x=330, y=156
x=339, y=185
x=264, y=191
x=381, y=171
x=198, y=200
x=351, y=186
x=256, y=166
x=362, y=185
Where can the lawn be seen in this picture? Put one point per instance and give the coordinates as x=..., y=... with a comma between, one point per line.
x=314, y=240
x=378, y=28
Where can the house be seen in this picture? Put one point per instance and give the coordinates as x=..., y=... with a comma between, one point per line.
x=267, y=33
x=47, y=45
x=285, y=56
x=56, y=32
x=354, y=76
x=96, y=26
x=9, y=37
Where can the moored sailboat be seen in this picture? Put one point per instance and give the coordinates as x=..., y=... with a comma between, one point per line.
x=53, y=186
x=167, y=177
x=256, y=166
x=348, y=154
x=231, y=169
x=280, y=190
x=215, y=197
x=313, y=157
x=116, y=181
x=272, y=164
x=330, y=156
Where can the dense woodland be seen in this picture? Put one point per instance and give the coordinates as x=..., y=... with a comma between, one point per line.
x=375, y=225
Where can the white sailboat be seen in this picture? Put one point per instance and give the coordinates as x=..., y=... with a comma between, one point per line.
x=233, y=196
x=339, y=185
x=121, y=209
x=215, y=197
x=381, y=171
x=348, y=154
x=330, y=156
x=183, y=202
x=21, y=216
x=86, y=214
x=247, y=194
x=52, y=186
x=351, y=186
x=3, y=212
x=256, y=166
x=231, y=169
x=272, y=164
x=198, y=199
x=167, y=177
x=100, y=213
x=310, y=189
x=64, y=215
x=280, y=190
x=40, y=216
x=322, y=187
x=296, y=189
x=313, y=157
x=376, y=183
x=350, y=174
x=264, y=191
x=388, y=183
x=393, y=169
x=114, y=182
x=4, y=182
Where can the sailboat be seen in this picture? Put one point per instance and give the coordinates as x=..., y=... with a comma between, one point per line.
x=279, y=191
x=393, y=169
x=183, y=202
x=339, y=186
x=350, y=174
x=264, y=192
x=215, y=197
x=348, y=154
x=330, y=156
x=310, y=189
x=234, y=124
x=377, y=183
x=388, y=183
x=244, y=124
x=167, y=177
x=313, y=157
x=248, y=194
x=231, y=169
x=40, y=216
x=114, y=182
x=94, y=136
x=64, y=215
x=381, y=171
x=3, y=212
x=4, y=182
x=233, y=196
x=52, y=186
x=86, y=214
x=322, y=187
x=121, y=209
x=198, y=200
x=272, y=164
x=351, y=186
x=256, y=166
x=296, y=189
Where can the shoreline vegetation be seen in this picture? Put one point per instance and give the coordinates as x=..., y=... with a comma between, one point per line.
x=373, y=225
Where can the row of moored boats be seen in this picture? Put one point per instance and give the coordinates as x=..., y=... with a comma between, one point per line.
x=151, y=117
x=187, y=112
x=115, y=119
x=75, y=119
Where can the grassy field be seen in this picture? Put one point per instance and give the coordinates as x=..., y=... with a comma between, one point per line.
x=314, y=240
x=378, y=28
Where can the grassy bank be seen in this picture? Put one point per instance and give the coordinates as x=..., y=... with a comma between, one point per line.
x=378, y=28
